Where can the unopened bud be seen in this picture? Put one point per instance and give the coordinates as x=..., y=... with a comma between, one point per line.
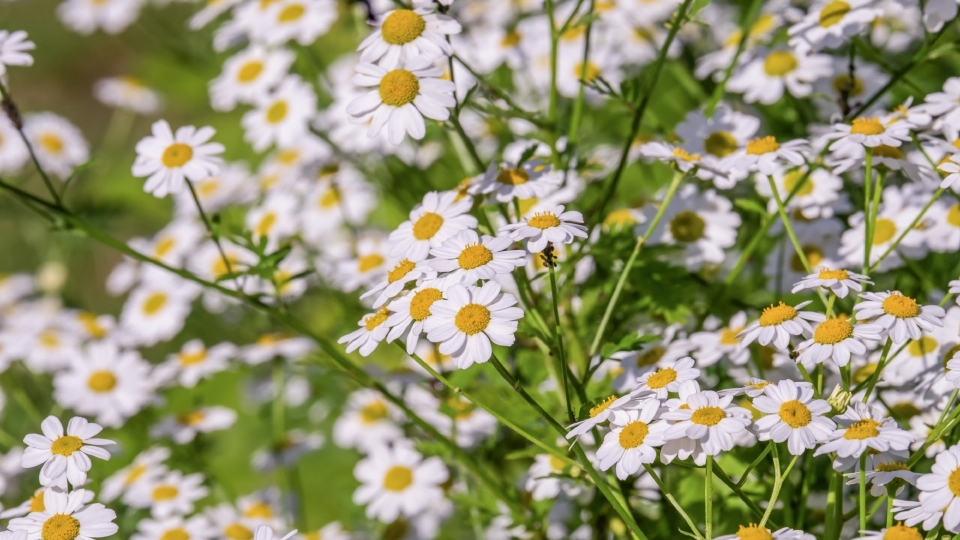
x=839, y=399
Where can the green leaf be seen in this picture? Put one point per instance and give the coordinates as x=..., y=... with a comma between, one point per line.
x=750, y=205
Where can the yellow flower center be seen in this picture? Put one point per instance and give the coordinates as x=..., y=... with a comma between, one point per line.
x=330, y=198
x=794, y=413
x=260, y=510
x=863, y=429
x=954, y=482
x=277, y=112
x=813, y=254
x=841, y=83
x=421, y=302
x=472, y=319
x=102, y=381
x=154, y=303
x=236, y=531
x=905, y=410
x=398, y=478
x=863, y=373
x=779, y=63
x=399, y=87
x=513, y=177
x=36, y=502
x=866, y=126
x=373, y=412
x=557, y=464
x=763, y=145
x=544, y=220
x=60, y=527
x=754, y=532
x=402, y=268
x=192, y=358
x=249, y=71
x=900, y=306
x=510, y=39
x=175, y=534
x=826, y=273
x=684, y=155
x=902, y=532
x=792, y=178
x=650, y=357
x=621, y=218
x=369, y=262
x=402, y=26
x=375, y=320
x=602, y=406
x=758, y=385
x=66, y=445
x=891, y=466
x=590, y=73
x=291, y=13
x=266, y=224
x=633, y=434
x=832, y=331
x=427, y=226
x=687, y=226
x=720, y=143
x=775, y=315
x=662, y=378
x=191, y=418
x=51, y=143
x=923, y=346
x=728, y=336
x=163, y=247
x=164, y=492
x=883, y=231
x=708, y=416
x=833, y=13
x=953, y=215
x=891, y=152
x=474, y=256
x=136, y=471
x=176, y=155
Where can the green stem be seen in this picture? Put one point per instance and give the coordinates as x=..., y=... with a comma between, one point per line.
x=753, y=465
x=673, y=501
x=708, y=497
x=558, y=337
x=863, y=492
x=749, y=18
x=907, y=230
x=869, y=214
x=875, y=376
x=33, y=156
x=206, y=222
x=573, y=135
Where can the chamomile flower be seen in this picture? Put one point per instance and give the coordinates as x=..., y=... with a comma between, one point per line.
x=367, y=421
x=411, y=312
x=862, y=427
x=282, y=116
x=777, y=323
x=67, y=516
x=952, y=168
x=13, y=49
x=373, y=329
x=939, y=489
x=59, y=145
x=398, y=481
x=632, y=438
x=405, y=271
x=831, y=23
x=168, y=159
x=265, y=532
x=156, y=311
x=891, y=474
x=195, y=362
x=87, y=16
x=528, y=180
x=13, y=153
x=667, y=378
x=710, y=419
x=900, y=315
x=248, y=76
x=439, y=217
x=286, y=451
x=275, y=219
x=172, y=494
x=602, y=412
x=869, y=132
x=331, y=531
x=793, y=415
x=64, y=455
x=554, y=226
x=839, y=281
x=146, y=467
x=764, y=154
x=184, y=427
x=676, y=156
x=468, y=257
x=715, y=341
x=752, y=532
x=300, y=20
x=409, y=34
x=127, y=93
x=765, y=78
x=403, y=96
x=896, y=531
x=837, y=339
x=469, y=318
x=193, y=528
x=913, y=512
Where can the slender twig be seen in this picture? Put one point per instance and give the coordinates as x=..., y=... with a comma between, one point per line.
x=13, y=113
x=673, y=500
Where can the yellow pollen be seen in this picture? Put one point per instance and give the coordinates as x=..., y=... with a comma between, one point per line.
x=330, y=198
x=708, y=416
x=66, y=445
x=754, y=532
x=164, y=492
x=510, y=39
x=369, y=262
x=892, y=466
x=900, y=306
x=259, y=510
x=779, y=63
x=792, y=178
x=402, y=268
x=374, y=412
x=291, y=13
x=651, y=356
x=154, y=303
x=863, y=373
x=633, y=434
x=954, y=482
x=372, y=321
x=277, y=112
x=422, y=300
x=602, y=406
x=164, y=246
x=51, y=143
x=250, y=71
x=866, y=126
x=136, y=471
x=778, y=314
x=758, y=385
x=620, y=218
x=36, y=502
x=90, y=324
x=176, y=155
x=832, y=331
x=427, y=226
x=684, y=155
x=891, y=152
x=557, y=464
x=192, y=358
x=191, y=418
x=398, y=478
x=902, y=532
x=905, y=410
x=813, y=254
x=763, y=145
x=728, y=336
x=953, y=215
x=474, y=256
x=513, y=177
x=720, y=143
x=49, y=339
x=399, y=87
x=590, y=73
x=60, y=527
x=687, y=226
x=795, y=414
x=544, y=220
x=826, y=273
x=863, y=429
x=102, y=381
x=833, y=13
x=472, y=319
x=266, y=224
x=662, y=378
x=841, y=83
x=923, y=346
x=883, y=231
x=236, y=531
x=175, y=534
x=402, y=26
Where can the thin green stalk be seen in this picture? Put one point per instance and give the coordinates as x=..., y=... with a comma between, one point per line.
x=906, y=231
x=554, y=93
x=863, y=492
x=279, y=408
x=869, y=213
x=672, y=500
x=206, y=222
x=558, y=337
x=746, y=24
x=723, y=477
x=468, y=143
x=875, y=376
x=708, y=497
x=573, y=133
x=753, y=465
x=5, y=95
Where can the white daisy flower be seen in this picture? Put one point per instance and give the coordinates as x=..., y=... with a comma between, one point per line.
x=87, y=16
x=265, y=532
x=405, y=271
x=820, y=196
x=532, y=179
x=777, y=323
x=831, y=23
x=172, y=494
x=330, y=531
x=469, y=318
x=195, y=362
x=156, y=311
x=13, y=153
x=13, y=49
x=439, y=217
x=412, y=311
x=765, y=78
x=467, y=257
x=603, y=412
x=185, y=427
x=194, y=528
x=300, y=20
x=867, y=131
x=367, y=421
x=837, y=339
x=952, y=168
x=403, y=96
x=127, y=93
x=899, y=530
x=276, y=345
x=373, y=329
x=892, y=474
x=939, y=490
x=59, y=145
x=146, y=467
x=64, y=455
x=454, y=417
x=229, y=522
x=901, y=315
x=287, y=451
x=663, y=152
x=862, y=427
x=167, y=159
x=398, y=482
x=793, y=415
x=544, y=481
x=210, y=11
x=667, y=378
x=632, y=438
x=710, y=419
x=764, y=154
x=839, y=281
x=759, y=532
x=370, y=266
x=913, y=512
x=275, y=219
x=409, y=34
x=546, y=227
x=717, y=342
x=282, y=116
x=248, y=76
x=66, y=516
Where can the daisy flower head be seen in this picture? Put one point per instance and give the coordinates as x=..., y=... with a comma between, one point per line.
x=172, y=494
x=127, y=93
x=890, y=474
x=676, y=156
x=265, y=532
x=532, y=179
x=403, y=272
x=717, y=341
x=603, y=412
x=193, y=528
x=409, y=34
x=546, y=227
x=195, y=362
x=367, y=421
x=838, y=281
x=898, y=531
x=468, y=319
x=710, y=419
x=862, y=427
x=373, y=329
x=13, y=153
x=793, y=415
x=952, y=168
x=765, y=78
x=398, y=481
x=87, y=16
x=764, y=154
x=777, y=323
x=900, y=315
x=438, y=217
x=282, y=116
x=146, y=467
x=632, y=438
x=402, y=97
x=870, y=132
x=759, y=532
x=468, y=257
x=912, y=512
x=168, y=159
x=286, y=20
x=66, y=516
x=185, y=426
x=667, y=378
x=64, y=455
x=837, y=339
x=59, y=145
x=248, y=76
x=13, y=49
x=156, y=311
x=940, y=489
x=831, y=23
x=410, y=312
